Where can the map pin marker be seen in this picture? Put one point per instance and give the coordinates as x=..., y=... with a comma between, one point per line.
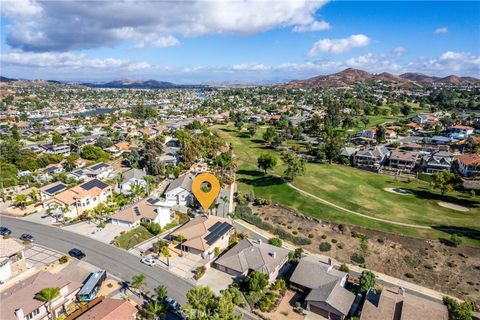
x=205, y=198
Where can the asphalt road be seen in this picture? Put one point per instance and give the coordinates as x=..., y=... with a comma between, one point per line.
x=116, y=261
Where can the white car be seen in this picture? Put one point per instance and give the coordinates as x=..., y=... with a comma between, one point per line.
x=150, y=261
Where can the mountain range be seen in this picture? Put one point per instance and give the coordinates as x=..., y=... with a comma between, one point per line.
x=132, y=84
x=352, y=76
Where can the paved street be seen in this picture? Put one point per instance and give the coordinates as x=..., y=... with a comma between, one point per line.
x=116, y=261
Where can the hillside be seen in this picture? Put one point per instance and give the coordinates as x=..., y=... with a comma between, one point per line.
x=132, y=84
x=349, y=77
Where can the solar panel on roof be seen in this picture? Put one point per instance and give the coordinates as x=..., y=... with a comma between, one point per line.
x=56, y=188
x=219, y=231
x=152, y=200
x=94, y=183
x=99, y=166
x=215, y=226
x=137, y=212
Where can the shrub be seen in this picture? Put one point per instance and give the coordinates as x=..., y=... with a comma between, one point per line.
x=294, y=232
x=63, y=259
x=334, y=240
x=344, y=268
x=455, y=240
x=324, y=236
x=357, y=258
x=102, y=224
x=428, y=266
x=310, y=235
x=341, y=227
x=152, y=227
x=458, y=310
x=381, y=240
x=216, y=251
x=275, y=242
x=409, y=275
x=325, y=246
x=299, y=241
x=199, y=272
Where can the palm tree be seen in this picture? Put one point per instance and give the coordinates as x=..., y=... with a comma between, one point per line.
x=48, y=295
x=166, y=253
x=138, y=282
x=224, y=199
x=181, y=238
x=161, y=292
x=154, y=310
x=20, y=200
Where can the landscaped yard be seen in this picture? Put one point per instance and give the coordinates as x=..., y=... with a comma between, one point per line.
x=353, y=189
x=131, y=238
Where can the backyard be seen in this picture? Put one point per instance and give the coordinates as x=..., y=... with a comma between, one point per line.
x=356, y=190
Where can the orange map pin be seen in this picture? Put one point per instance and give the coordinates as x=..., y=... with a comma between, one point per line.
x=205, y=198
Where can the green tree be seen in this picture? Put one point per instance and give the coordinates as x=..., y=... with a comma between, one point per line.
x=138, y=282
x=159, y=245
x=166, y=253
x=56, y=138
x=455, y=240
x=154, y=310
x=365, y=120
x=444, y=181
x=380, y=133
x=258, y=281
x=367, y=281
x=275, y=242
x=332, y=141
x=266, y=161
x=20, y=201
x=295, y=255
x=181, y=238
x=252, y=129
x=94, y=153
x=161, y=292
x=344, y=268
x=8, y=175
x=269, y=135
x=295, y=165
x=47, y=295
x=458, y=310
x=406, y=109
x=202, y=304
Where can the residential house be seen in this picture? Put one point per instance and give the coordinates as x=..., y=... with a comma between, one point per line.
x=369, y=133
x=117, y=149
x=130, y=178
x=372, y=158
x=390, y=134
x=61, y=148
x=438, y=140
x=437, y=161
x=403, y=160
x=323, y=287
x=396, y=304
x=460, y=132
x=106, y=309
x=146, y=210
x=19, y=302
x=347, y=154
x=100, y=170
x=83, y=197
x=48, y=191
x=179, y=190
x=469, y=165
x=253, y=255
x=205, y=233
x=12, y=259
x=425, y=118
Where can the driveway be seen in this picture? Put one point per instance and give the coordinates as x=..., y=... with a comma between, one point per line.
x=215, y=279
x=185, y=266
x=40, y=256
x=90, y=229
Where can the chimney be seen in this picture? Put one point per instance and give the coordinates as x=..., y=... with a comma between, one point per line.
x=330, y=262
x=259, y=241
x=19, y=314
x=401, y=291
x=274, y=254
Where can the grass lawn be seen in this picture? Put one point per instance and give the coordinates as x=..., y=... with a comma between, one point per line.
x=131, y=238
x=353, y=189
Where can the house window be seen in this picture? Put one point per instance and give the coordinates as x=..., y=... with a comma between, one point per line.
x=33, y=314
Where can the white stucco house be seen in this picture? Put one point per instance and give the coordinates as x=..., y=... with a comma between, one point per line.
x=146, y=210
x=131, y=178
x=179, y=191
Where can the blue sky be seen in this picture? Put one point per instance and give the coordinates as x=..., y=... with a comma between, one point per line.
x=216, y=41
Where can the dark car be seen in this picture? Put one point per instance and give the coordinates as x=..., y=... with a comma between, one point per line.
x=27, y=237
x=5, y=231
x=77, y=253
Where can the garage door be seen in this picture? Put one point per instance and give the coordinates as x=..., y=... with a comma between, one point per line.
x=319, y=311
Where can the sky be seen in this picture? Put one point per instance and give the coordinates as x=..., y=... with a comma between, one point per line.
x=208, y=41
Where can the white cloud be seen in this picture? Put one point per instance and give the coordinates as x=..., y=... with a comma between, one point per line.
x=399, y=51
x=336, y=46
x=250, y=67
x=314, y=26
x=70, y=61
x=441, y=30
x=373, y=63
x=161, y=42
x=452, y=62
x=64, y=25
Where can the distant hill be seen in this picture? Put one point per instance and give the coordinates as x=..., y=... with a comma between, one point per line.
x=350, y=76
x=4, y=79
x=133, y=84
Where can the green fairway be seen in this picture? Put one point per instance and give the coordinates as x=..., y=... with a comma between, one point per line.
x=353, y=189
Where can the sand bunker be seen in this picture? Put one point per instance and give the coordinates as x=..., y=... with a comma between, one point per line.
x=453, y=206
x=398, y=191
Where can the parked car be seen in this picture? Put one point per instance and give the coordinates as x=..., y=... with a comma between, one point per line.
x=5, y=231
x=27, y=237
x=77, y=253
x=172, y=303
x=149, y=261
